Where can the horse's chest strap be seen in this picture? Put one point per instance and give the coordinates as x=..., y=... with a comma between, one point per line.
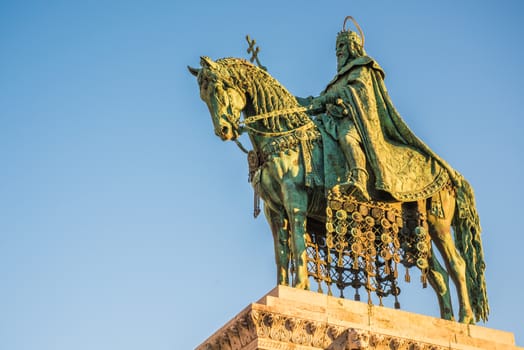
x=289, y=142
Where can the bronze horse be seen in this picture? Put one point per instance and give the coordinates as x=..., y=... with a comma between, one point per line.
x=280, y=174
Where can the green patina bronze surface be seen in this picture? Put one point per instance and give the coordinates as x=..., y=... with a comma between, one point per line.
x=320, y=162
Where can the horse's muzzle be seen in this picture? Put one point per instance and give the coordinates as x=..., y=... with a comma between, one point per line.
x=226, y=132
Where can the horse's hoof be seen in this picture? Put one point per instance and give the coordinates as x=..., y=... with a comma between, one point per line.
x=302, y=285
x=447, y=314
x=467, y=318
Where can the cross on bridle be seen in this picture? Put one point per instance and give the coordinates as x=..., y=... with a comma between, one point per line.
x=254, y=50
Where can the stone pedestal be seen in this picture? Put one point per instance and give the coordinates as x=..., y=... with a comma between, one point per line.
x=288, y=318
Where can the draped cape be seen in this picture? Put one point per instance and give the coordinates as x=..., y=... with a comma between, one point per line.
x=402, y=164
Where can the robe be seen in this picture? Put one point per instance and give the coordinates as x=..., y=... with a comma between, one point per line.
x=402, y=164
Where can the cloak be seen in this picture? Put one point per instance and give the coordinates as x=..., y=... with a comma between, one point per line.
x=401, y=163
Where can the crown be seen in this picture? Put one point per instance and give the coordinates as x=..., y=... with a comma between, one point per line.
x=348, y=35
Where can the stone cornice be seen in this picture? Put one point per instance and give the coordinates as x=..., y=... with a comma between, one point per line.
x=287, y=318
x=260, y=329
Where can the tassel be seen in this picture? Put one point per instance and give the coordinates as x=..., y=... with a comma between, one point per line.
x=256, y=204
x=340, y=260
x=397, y=303
x=424, y=280
x=407, y=277
x=355, y=263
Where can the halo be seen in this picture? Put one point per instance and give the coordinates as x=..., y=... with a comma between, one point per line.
x=356, y=25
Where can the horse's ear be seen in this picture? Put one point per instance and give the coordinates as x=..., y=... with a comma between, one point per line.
x=194, y=71
x=207, y=62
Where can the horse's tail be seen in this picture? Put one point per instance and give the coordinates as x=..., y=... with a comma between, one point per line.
x=466, y=225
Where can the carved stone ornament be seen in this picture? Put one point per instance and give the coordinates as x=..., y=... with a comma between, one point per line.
x=272, y=330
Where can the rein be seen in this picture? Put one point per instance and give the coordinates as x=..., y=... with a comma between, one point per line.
x=243, y=124
x=279, y=133
x=271, y=114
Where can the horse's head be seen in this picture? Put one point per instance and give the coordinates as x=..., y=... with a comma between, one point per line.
x=223, y=98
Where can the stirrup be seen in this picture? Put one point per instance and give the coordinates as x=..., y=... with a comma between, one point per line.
x=356, y=185
x=358, y=191
x=352, y=188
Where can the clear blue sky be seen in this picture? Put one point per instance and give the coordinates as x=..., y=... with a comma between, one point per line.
x=126, y=224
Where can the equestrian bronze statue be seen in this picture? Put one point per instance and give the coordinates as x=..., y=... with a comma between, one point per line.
x=349, y=191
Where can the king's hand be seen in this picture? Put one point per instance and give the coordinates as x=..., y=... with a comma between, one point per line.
x=316, y=106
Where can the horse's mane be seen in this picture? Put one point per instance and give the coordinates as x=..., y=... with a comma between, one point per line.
x=265, y=92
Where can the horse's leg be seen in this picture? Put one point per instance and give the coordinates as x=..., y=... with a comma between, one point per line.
x=295, y=201
x=438, y=278
x=279, y=229
x=440, y=231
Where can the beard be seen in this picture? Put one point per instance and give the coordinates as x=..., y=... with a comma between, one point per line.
x=342, y=61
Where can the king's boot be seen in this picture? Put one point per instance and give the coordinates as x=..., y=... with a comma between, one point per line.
x=356, y=185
